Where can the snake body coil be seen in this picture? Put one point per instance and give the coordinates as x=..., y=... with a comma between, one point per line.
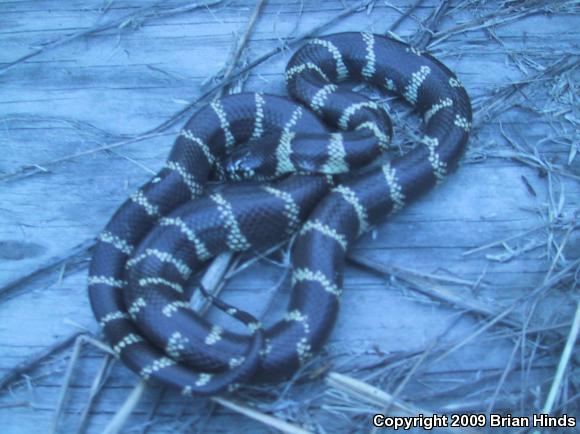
x=160, y=236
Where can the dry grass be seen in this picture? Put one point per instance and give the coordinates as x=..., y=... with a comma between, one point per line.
x=347, y=387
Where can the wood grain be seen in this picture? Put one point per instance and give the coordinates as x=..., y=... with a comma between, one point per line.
x=96, y=90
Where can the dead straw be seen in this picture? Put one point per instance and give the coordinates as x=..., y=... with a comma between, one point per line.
x=564, y=361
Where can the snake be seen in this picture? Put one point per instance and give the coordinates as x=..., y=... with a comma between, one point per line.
x=308, y=167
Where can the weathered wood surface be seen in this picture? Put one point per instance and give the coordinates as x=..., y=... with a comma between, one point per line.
x=92, y=91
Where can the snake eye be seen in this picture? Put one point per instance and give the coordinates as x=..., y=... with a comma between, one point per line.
x=239, y=165
x=233, y=166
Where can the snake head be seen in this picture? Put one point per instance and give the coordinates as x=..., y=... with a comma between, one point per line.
x=240, y=164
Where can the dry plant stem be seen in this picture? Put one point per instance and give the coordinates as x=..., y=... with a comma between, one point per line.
x=403, y=383
x=424, y=284
x=212, y=282
x=118, y=421
x=383, y=269
x=405, y=359
x=562, y=365
x=504, y=374
x=405, y=15
x=31, y=363
x=559, y=251
x=566, y=403
x=505, y=240
x=425, y=36
x=140, y=15
x=485, y=108
x=140, y=165
x=273, y=422
x=361, y=390
x=532, y=161
x=554, y=280
x=98, y=383
x=244, y=40
x=48, y=265
x=254, y=259
x=80, y=340
x=66, y=384
x=41, y=167
x=494, y=18
x=435, y=345
x=99, y=344
x=151, y=415
x=512, y=56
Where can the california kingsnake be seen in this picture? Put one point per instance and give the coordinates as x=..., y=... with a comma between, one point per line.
x=160, y=236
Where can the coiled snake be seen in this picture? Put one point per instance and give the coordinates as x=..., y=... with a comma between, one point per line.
x=172, y=225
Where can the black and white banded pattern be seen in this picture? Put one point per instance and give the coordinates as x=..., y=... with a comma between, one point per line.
x=139, y=282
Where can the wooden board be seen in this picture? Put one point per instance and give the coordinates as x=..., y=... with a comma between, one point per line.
x=90, y=92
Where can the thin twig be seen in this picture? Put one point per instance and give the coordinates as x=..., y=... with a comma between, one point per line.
x=212, y=282
x=97, y=385
x=79, y=342
x=273, y=422
x=426, y=286
x=405, y=15
x=153, y=411
x=361, y=390
x=140, y=16
x=32, y=169
x=495, y=18
x=120, y=418
x=504, y=375
x=66, y=384
x=403, y=383
x=504, y=240
x=48, y=265
x=538, y=290
x=564, y=360
x=31, y=363
x=241, y=45
x=384, y=269
x=424, y=37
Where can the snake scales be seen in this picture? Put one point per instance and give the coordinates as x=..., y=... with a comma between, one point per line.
x=162, y=235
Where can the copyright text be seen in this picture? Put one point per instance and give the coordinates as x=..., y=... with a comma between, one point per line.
x=428, y=422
